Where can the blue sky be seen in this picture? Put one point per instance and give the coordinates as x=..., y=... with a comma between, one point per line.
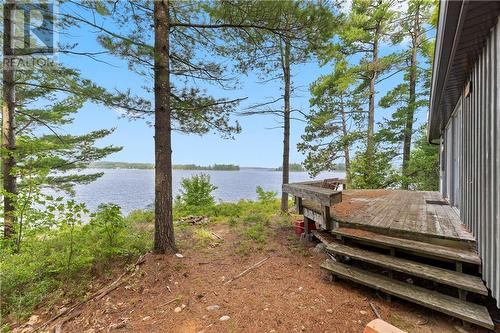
x=256, y=145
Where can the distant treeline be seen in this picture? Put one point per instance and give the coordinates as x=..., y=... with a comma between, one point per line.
x=294, y=167
x=297, y=167
x=121, y=165
x=126, y=165
x=216, y=167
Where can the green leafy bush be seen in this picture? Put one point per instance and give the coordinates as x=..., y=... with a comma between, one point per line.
x=108, y=220
x=265, y=196
x=196, y=194
x=60, y=253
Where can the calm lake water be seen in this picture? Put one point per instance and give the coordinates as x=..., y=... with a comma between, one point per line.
x=134, y=189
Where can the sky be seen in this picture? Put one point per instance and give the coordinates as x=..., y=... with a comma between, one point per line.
x=257, y=145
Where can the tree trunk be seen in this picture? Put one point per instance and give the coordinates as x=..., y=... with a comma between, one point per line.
x=164, y=228
x=408, y=131
x=347, y=159
x=286, y=125
x=370, y=144
x=8, y=128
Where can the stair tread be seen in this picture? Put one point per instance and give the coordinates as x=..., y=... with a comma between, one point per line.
x=444, y=276
x=470, y=312
x=423, y=248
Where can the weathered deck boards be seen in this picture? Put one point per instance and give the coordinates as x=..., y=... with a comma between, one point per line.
x=324, y=196
x=470, y=312
x=420, y=248
x=444, y=276
x=400, y=212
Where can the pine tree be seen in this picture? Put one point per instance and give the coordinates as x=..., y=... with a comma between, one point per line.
x=9, y=181
x=334, y=124
x=412, y=95
x=298, y=28
x=184, y=33
x=48, y=99
x=368, y=26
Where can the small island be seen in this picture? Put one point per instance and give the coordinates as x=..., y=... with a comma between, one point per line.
x=294, y=167
x=215, y=167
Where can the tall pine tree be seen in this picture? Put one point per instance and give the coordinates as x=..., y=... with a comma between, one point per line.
x=297, y=28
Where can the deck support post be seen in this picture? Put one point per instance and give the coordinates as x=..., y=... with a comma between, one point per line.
x=298, y=205
x=327, y=218
x=306, y=236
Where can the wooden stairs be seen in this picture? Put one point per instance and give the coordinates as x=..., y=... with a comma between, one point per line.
x=387, y=263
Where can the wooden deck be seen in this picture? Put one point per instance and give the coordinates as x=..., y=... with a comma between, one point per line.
x=401, y=213
x=385, y=238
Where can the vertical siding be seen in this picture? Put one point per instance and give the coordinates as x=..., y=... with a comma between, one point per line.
x=479, y=166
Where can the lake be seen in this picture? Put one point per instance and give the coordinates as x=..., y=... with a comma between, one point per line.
x=134, y=189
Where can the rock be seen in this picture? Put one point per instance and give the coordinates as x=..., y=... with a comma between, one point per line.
x=320, y=248
x=119, y=325
x=363, y=312
x=146, y=318
x=329, y=310
x=178, y=255
x=300, y=288
x=178, y=309
x=33, y=320
x=303, y=328
x=183, y=306
x=63, y=310
x=213, y=307
x=224, y=318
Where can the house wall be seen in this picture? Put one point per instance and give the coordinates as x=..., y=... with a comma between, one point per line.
x=470, y=158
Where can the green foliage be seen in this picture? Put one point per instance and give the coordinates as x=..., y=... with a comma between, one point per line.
x=193, y=110
x=109, y=221
x=265, y=196
x=196, y=194
x=215, y=167
x=335, y=121
x=47, y=100
x=58, y=253
x=204, y=237
x=373, y=174
x=423, y=170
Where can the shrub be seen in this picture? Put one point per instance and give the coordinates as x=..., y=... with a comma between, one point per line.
x=265, y=196
x=108, y=220
x=60, y=255
x=196, y=194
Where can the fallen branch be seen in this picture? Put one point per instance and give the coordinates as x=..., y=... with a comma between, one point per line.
x=219, y=237
x=256, y=265
x=375, y=311
x=95, y=296
x=171, y=301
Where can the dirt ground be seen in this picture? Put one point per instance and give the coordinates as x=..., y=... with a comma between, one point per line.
x=287, y=293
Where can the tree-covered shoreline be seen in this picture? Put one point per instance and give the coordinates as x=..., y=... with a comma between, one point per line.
x=142, y=166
